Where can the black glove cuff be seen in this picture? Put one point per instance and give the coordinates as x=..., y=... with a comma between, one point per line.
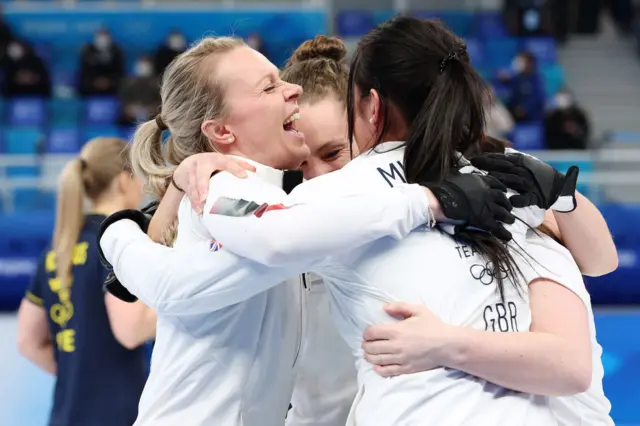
x=113, y=286
x=449, y=201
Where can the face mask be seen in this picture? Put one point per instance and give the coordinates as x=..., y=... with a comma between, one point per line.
x=15, y=51
x=102, y=42
x=518, y=64
x=563, y=101
x=177, y=43
x=144, y=69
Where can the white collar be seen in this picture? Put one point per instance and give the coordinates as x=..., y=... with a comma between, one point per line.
x=381, y=148
x=264, y=172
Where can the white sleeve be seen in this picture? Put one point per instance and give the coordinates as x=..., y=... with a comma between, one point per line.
x=183, y=281
x=282, y=230
x=550, y=260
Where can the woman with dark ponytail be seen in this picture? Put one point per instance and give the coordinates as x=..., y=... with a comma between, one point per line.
x=473, y=280
x=467, y=294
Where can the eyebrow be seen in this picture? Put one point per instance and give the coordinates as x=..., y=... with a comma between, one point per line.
x=333, y=144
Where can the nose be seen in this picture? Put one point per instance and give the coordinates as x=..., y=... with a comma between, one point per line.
x=292, y=92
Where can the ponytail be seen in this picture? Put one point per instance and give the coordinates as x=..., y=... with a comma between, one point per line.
x=452, y=120
x=147, y=158
x=69, y=218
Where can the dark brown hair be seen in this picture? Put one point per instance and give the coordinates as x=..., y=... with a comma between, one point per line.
x=318, y=65
x=422, y=70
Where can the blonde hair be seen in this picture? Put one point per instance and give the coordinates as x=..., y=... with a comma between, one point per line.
x=318, y=65
x=88, y=176
x=190, y=95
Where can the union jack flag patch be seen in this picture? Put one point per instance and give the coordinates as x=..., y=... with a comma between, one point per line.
x=214, y=245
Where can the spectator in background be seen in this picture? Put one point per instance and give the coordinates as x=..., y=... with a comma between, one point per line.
x=499, y=122
x=101, y=66
x=140, y=94
x=24, y=72
x=256, y=42
x=566, y=125
x=174, y=44
x=5, y=36
x=526, y=100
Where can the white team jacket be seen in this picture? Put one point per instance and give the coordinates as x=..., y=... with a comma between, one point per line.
x=228, y=335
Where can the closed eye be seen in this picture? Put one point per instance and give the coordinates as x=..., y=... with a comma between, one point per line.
x=333, y=155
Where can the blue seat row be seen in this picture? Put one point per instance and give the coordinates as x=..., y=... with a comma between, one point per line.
x=485, y=24
x=64, y=139
x=37, y=112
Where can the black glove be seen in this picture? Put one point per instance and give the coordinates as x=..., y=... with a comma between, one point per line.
x=111, y=284
x=537, y=183
x=479, y=201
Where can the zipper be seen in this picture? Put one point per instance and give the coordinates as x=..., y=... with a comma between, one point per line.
x=303, y=281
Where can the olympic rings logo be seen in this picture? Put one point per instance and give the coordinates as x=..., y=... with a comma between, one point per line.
x=486, y=274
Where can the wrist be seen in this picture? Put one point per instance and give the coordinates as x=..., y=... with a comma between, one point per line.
x=454, y=351
x=435, y=206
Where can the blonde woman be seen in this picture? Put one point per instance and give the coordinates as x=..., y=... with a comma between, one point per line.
x=67, y=326
x=228, y=353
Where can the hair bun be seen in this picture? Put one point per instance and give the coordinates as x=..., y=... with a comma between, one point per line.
x=320, y=47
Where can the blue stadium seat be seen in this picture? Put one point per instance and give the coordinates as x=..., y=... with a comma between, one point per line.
x=63, y=140
x=457, y=21
x=543, y=48
x=101, y=110
x=499, y=52
x=23, y=140
x=528, y=137
x=489, y=25
x=65, y=111
x=475, y=48
x=44, y=51
x=552, y=78
x=354, y=23
x=26, y=112
x=127, y=132
x=29, y=200
x=99, y=131
x=23, y=171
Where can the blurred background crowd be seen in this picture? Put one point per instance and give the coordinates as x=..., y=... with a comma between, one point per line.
x=564, y=75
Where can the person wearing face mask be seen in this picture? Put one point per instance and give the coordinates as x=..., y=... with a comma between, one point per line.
x=566, y=125
x=25, y=73
x=139, y=94
x=526, y=99
x=174, y=44
x=101, y=66
x=5, y=36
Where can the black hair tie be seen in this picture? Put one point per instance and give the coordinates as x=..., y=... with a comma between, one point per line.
x=456, y=54
x=160, y=123
x=83, y=163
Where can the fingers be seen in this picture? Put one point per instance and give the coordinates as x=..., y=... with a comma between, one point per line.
x=389, y=370
x=503, y=215
x=382, y=359
x=494, y=183
x=245, y=165
x=402, y=310
x=511, y=181
x=378, y=347
x=192, y=190
x=500, y=198
x=380, y=332
x=501, y=233
x=493, y=163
